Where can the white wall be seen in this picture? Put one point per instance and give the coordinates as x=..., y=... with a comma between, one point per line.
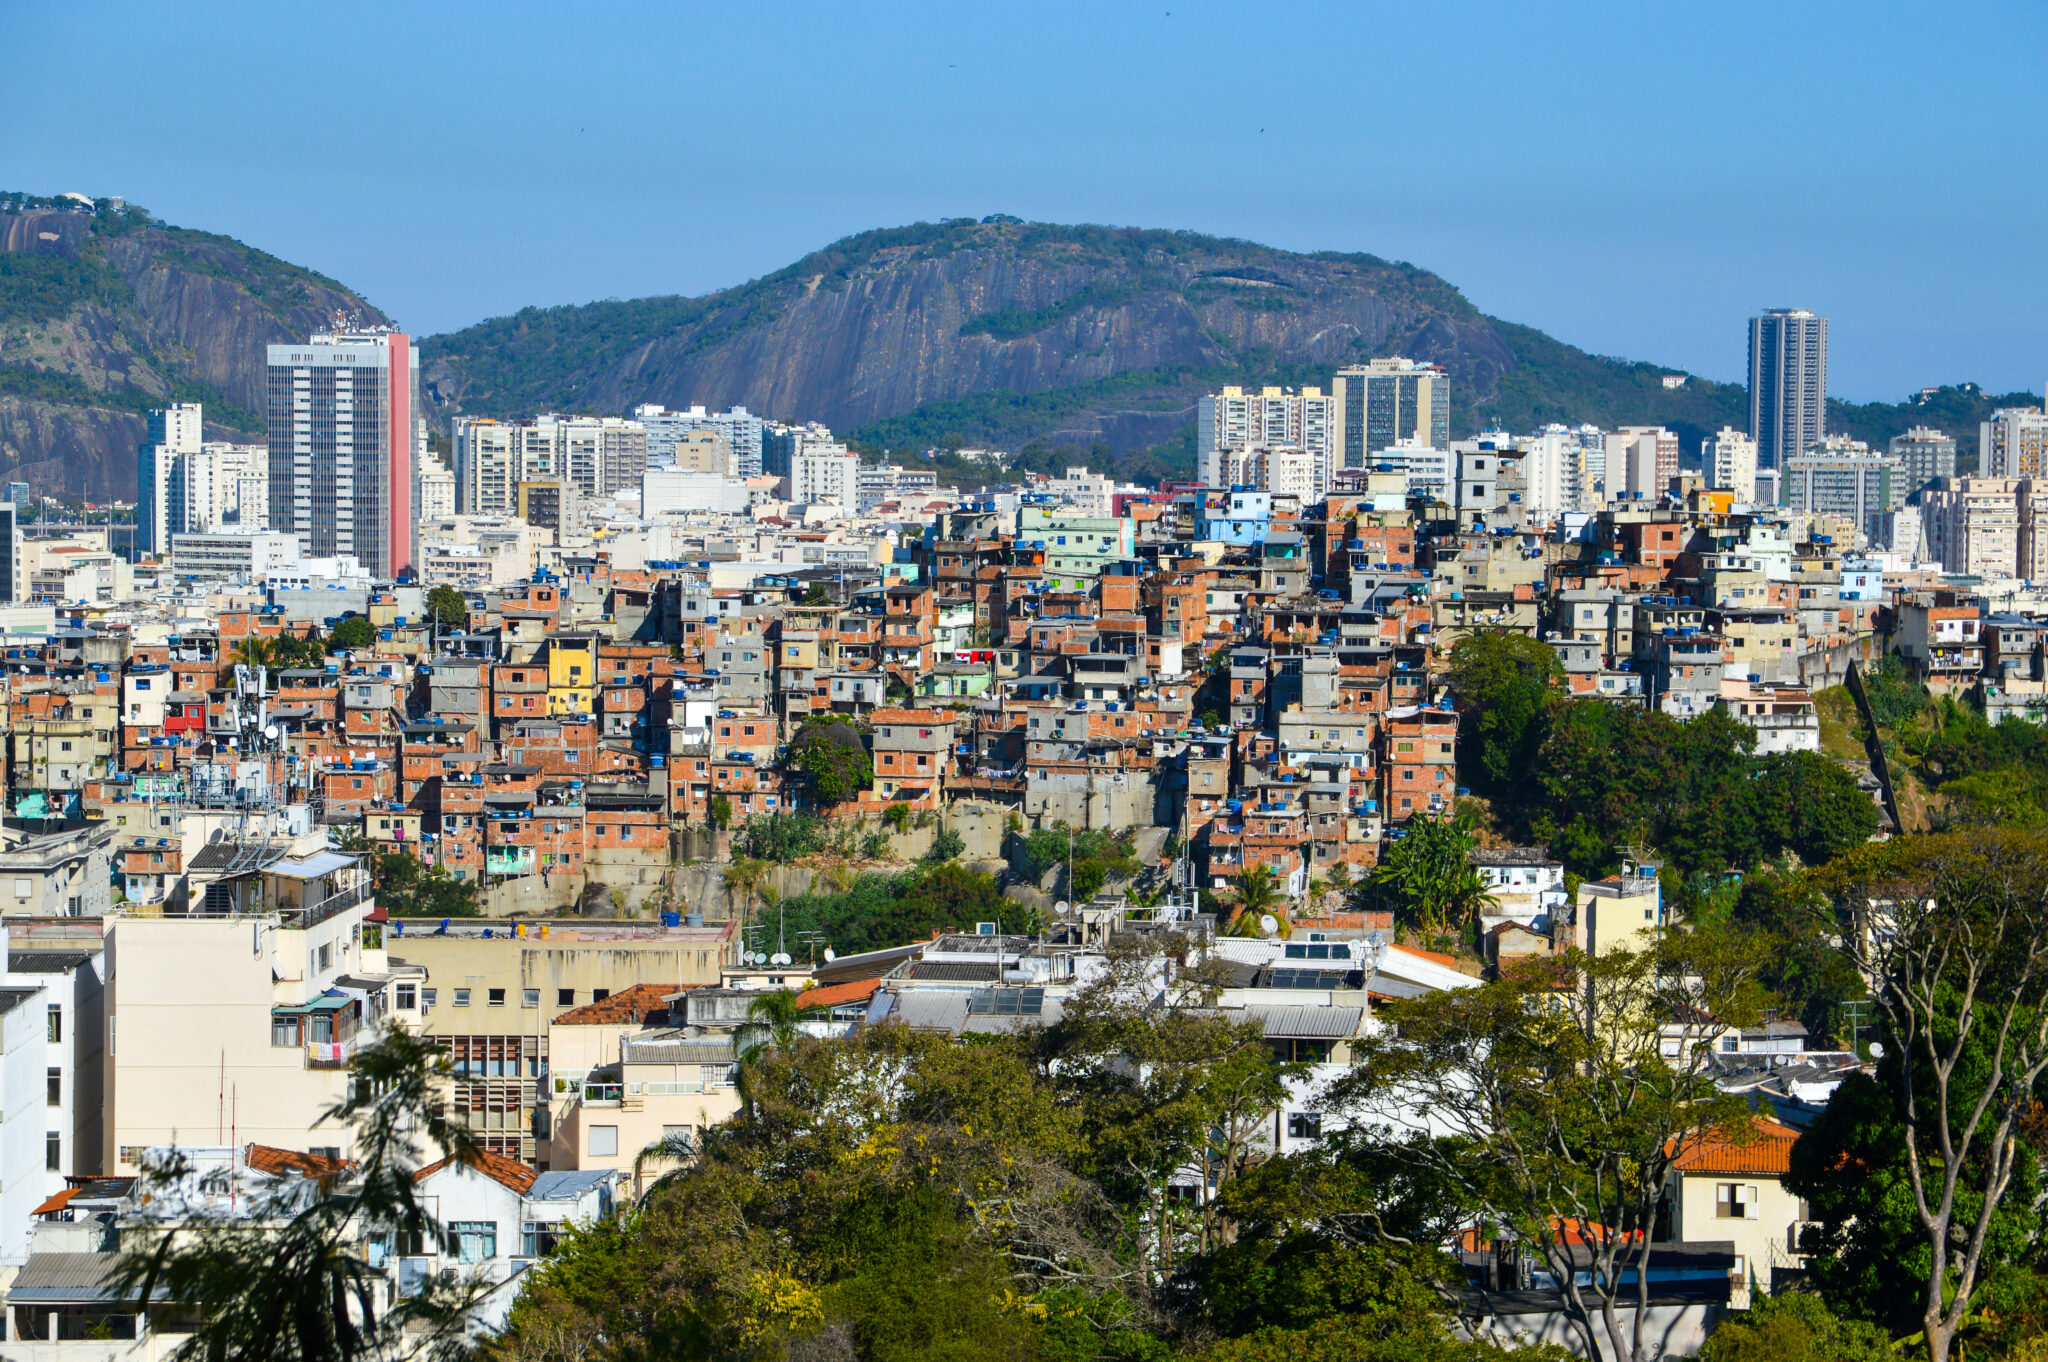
x=23, y=1119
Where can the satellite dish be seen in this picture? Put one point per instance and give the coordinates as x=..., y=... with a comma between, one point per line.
x=1061, y=907
x=1268, y=924
x=1877, y=1049
x=779, y=958
x=271, y=731
x=830, y=955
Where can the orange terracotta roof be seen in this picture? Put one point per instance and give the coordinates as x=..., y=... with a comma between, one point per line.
x=57, y=1202
x=277, y=1162
x=832, y=995
x=630, y=1006
x=1770, y=1153
x=509, y=1172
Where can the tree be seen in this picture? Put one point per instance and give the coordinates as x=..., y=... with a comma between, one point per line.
x=946, y=844
x=817, y=595
x=304, y=1290
x=1811, y=804
x=256, y=652
x=446, y=607
x=721, y=811
x=1257, y=894
x=1502, y=681
x=1556, y=1100
x=1952, y=932
x=406, y=887
x=1428, y=875
x=353, y=632
x=742, y=879
x=835, y=765
x=1795, y=1326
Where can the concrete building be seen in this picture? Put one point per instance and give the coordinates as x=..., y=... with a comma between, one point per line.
x=174, y=431
x=742, y=431
x=1987, y=527
x=434, y=489
x=218, y=485
x=1642, y=462
x=65, y=872
x=1788, y=383
x=1926, y=454
x=2013, y=443
x=340, y=420
x=596, y=455
x=827, y=477
x=1386, y=403
x=665, y=491
x=1730, y=461
x=1845, y=477
x=1271, y=418
x=233, y=557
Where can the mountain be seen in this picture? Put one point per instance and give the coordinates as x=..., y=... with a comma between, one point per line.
x=106, y=312
x=1019, y=334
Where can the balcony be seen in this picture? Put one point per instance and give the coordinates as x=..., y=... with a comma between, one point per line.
x=337, y=1055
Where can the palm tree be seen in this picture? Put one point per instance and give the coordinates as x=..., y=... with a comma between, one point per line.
x=678, y=1149
x=1258, y=893
x=772, y=1020
x=254, y=652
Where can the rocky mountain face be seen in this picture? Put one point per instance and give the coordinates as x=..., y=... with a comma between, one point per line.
x=105, y=313
x=889, y=322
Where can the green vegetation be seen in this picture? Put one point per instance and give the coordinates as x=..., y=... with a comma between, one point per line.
x=446, y=607
x=1427, y=878
x=38, y=287
x=781, y=836
x=835, y=764
x=408, y=888
x=1097, y=856
x=888, y=910
x=353, y=632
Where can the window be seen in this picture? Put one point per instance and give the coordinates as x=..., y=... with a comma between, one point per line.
x=473, y=1241
x=598, y=995
x=53, y=1081
x=428, y=997
x=495, y=996
x=23, y=888
x=537, y=1238
x=284, y=1032
x=407, y=997
x=53, y=1152
x=530, y=998
x=604, y=1140
x=54, y=1026
x=1735, y=1201
x=565, y=997
x=1304, y=1125
x=462, y=997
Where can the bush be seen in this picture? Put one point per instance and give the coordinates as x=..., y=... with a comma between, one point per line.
x=946, y=845
x=1795, y=1326
x=782, y=836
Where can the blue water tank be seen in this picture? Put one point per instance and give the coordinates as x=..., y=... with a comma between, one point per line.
x=671, y=919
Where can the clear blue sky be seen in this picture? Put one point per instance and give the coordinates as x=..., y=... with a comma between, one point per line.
x=1636, y=179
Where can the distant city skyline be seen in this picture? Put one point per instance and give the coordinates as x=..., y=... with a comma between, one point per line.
x=1648, y=227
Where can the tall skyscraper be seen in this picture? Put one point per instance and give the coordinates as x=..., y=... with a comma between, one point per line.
x=341, y=409
x=1788, y=383
x=174, y=431
x=1386, y=403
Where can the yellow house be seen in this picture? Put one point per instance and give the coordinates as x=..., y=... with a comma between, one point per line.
x=1621, y=912
x=1726, y=1192
x=572, y=674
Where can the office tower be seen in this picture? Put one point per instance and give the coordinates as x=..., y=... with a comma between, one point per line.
x=1273, y=419
x=1788, y=383
x=1642, y=461
x=2013, y=443
x=174, y=431
x=1386, y=403
x=17, y=493
x=1926, y=455
x=1730, y=461
x=341, y=431
x=1847, y=478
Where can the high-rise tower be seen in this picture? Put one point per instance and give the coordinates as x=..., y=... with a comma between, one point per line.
x=1788, y=383
x=341, y=446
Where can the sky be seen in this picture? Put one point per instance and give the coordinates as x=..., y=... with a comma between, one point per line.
x=1634, y=179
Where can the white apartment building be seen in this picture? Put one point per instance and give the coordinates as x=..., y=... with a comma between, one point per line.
x=1271, y=418
x=892, y=482
x=1641, y=462
x=667, y=491
x=218, y=485
x=174, y=431
x=741, y=428
x=232, y=557
x=1987, y=527
x=597, y=455
x=1090, y=494
x=2013, y=444
x=1730, y=460
x=433, y=489
x=1550, y=472
x=474, y=552
x=1846, y=478
x=824, y=478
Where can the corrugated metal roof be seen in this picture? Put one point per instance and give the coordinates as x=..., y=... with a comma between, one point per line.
x=679, y=1052
x=1308, y=1023
x=929, y=1009
x=568, y=1185
x=960, y=971
x=55, y=1278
